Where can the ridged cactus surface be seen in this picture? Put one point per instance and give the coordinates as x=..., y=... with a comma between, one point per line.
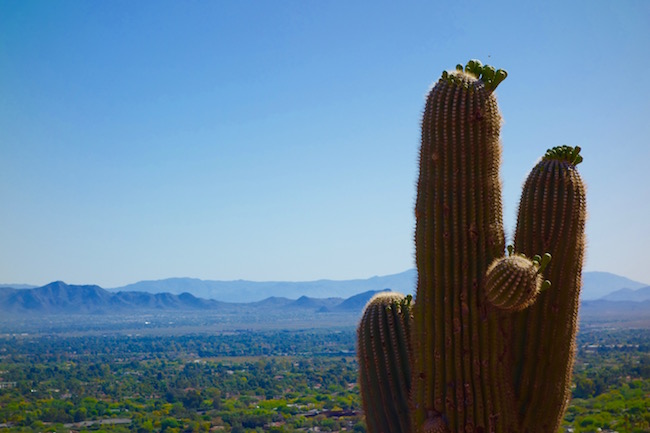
x=459, y=233
x=552, y=215
x=492, y=334
x=384, y=351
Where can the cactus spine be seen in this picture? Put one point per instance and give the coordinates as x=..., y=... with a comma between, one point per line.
x=493, y=342
x=384, y=351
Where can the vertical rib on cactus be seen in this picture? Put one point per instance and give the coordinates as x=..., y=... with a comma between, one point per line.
x=551, y=218
x=458, y=371
x=384, y=353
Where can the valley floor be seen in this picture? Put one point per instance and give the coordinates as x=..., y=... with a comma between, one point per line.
x=254, y=381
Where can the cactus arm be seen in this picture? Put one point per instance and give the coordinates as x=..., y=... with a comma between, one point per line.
x=513, y=282
x=552, y=216
x=384, y=352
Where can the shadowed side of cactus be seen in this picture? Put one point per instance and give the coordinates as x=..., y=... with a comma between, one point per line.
x=458, y=374
x=384, y=353
x=552, y=215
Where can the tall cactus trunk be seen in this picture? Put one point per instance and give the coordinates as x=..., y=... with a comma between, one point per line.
x=459, y=232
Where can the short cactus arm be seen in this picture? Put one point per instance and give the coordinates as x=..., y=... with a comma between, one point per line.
x=384, y=353
x=513, y=282
x=552, y=215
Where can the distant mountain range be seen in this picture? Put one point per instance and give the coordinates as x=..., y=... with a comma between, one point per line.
x=596, y=285
x=17, y=286
x=638, y=295
x=61, y=298
x=250, y=291
x=181, y=294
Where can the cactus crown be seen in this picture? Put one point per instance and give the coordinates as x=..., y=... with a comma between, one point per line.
x=490, y=76
x=564, y=153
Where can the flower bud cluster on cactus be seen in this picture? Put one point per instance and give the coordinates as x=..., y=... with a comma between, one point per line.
x=491, y=336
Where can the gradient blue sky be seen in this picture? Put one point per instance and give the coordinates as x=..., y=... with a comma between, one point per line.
x=278, y=140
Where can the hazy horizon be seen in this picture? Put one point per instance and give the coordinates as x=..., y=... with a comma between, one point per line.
x=586, y=274
x=279, y=141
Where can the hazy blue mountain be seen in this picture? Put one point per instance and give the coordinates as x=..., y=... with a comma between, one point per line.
x=5, y=291
x=638, y=295
x=271, y=302
x=357, y=302
x=322, y=295
x=250, y=291
x=354, y=303
x=61, y=298
x=615, y=311
x=55, y=297
x=595, y=285
x=17, y=286
x=321, y=304
x=58, y=298
x=158, y=301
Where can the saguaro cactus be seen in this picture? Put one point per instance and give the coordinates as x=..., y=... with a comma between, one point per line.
x=492, y=341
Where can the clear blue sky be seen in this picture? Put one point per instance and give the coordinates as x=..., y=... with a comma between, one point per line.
x=278, y=140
